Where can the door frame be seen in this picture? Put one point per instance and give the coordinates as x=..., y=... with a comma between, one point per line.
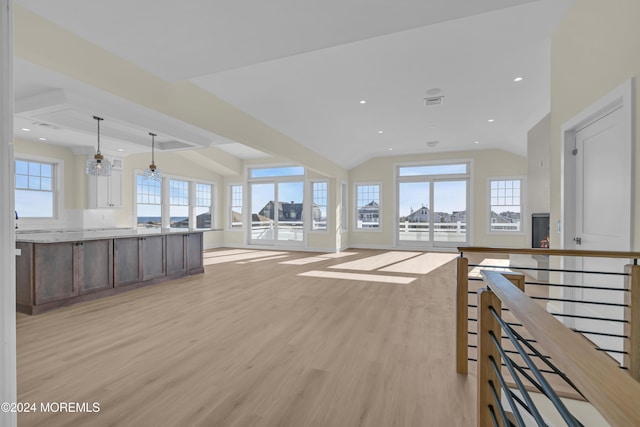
x=622, y=97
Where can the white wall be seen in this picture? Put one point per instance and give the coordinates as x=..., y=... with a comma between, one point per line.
x=594, y=50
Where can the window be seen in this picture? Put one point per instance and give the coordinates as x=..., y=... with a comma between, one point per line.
x=35, y=189
x=432, y=203
x=149, y=202
x=368, y=206
x=505, y=205
x=235, y=215
x=204, y=207
x=275, y=172
x=178, y=203
x=319, y=208
x=343, y=207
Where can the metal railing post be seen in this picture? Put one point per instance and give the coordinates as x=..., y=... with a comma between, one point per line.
x=462, y=314
x=487, y=350
x=632, y=315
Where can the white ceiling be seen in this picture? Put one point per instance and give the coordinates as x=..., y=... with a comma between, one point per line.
x=303, y=67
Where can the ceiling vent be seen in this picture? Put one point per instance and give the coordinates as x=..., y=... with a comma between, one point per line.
x=432, y=144
x=433, y=100
x=45, y=125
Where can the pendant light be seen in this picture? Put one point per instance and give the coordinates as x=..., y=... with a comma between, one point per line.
x=152, y=173
x=98, y=166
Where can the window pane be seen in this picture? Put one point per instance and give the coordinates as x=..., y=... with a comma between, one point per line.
x=433, y=170
x=272, y=172
x=319, y=208
x=203, y=205
x=46, y=170
x=148, y=196
x=178, y=204
x=368, y=206
x=236, y=206
x=414, y=211
x=450, y=211
x=22, y=181
x=34, y=204
x=290, y=211
x=22, y=167
x=34, y=168
x=505, y=209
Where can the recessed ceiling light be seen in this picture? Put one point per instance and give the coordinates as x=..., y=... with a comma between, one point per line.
x=26, y=129
x=517, y=79
x=491, y=120
x=363, y=101
x=380, y=131
x=477, y=142
x=120, y=149
x=42, y=139
x=390, y=149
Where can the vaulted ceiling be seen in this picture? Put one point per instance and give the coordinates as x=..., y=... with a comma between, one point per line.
x=344, y=79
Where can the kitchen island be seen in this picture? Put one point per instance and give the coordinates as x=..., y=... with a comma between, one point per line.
x=58, y=268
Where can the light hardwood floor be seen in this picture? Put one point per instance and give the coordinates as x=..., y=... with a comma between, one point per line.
x=253, y=344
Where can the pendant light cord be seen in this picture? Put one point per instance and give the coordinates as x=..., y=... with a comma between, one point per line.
x=98, y=119
x=153, y=147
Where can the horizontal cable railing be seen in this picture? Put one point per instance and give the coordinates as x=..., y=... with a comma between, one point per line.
x=503, y=397
x=601, y=305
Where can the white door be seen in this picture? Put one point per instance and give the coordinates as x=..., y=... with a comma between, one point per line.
x=602, y=222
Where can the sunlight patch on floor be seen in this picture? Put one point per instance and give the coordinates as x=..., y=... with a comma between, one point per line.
x=303, y=261
x=338, y=254
x=359, y=276
x=422, y=264
x=227, y=252
x=268, y=258
x=241, y=257
x=377, y=261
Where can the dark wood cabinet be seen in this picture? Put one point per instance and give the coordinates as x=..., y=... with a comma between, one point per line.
x=94, y=263
x=54, y=274
x=184, y=254
x=126, y=261
x=50, y=275
x=152, y=254
x=176, y=263
x=193, y=244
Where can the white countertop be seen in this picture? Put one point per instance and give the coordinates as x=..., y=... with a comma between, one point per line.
x=59, y=236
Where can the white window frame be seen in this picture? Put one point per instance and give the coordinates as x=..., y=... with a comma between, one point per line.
x=468, y=177
x=230, y=206
x=523, y=183
x=58, y=190
x=165, y=200
x=355, y=206
x=195, y=205
x=136, y=174
x=312, y=199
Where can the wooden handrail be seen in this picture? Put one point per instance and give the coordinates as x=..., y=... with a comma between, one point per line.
x=544, y=251
x=612, y=392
